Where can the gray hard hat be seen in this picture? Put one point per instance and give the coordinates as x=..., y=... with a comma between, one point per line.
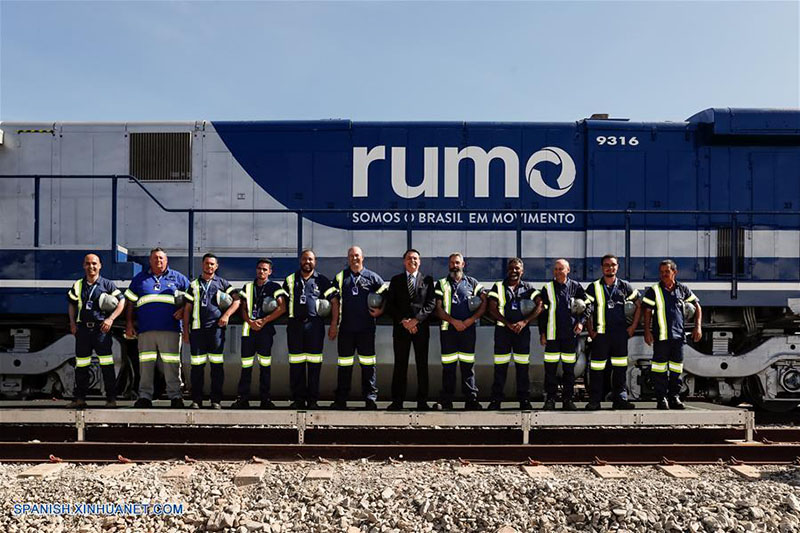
x=630, y=309
x=180, y=298
x=323, y=307
x=474, y=302
x=224, y=300
x=108, y=302
x=577, y=306
x=527, y=307
x=374, y=300
x=269, y=305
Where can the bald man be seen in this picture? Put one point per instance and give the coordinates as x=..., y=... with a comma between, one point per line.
x=558, y=332
x=92, y=328
x=357, y=329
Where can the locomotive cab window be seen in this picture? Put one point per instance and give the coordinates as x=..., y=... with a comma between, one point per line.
x=161, y=156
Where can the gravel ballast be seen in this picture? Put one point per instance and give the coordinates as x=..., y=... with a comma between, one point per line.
x=406, y=497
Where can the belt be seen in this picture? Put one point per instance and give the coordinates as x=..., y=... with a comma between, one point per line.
x=89, y=325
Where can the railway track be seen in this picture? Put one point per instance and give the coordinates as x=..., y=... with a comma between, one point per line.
x=639, y=446
x=623, y=454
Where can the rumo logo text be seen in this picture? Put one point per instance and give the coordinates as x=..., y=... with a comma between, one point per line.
x=363, y=157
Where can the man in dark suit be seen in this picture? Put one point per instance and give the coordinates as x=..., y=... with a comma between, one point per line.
x=410, y=302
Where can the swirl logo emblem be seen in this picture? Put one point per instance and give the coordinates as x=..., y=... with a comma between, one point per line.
x=566, y=178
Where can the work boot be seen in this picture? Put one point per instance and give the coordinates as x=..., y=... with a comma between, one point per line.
x=240, y=403
x=266, y=404
x=568, y=405
x=593, y=406
x=525, y=405
x=370, y=405
x=549, y=404
x=495, y=405
x=176, y=403
x=443, y=406
x=472, y=405
x=662, y=404
x=340, y=405
x=216, y=405
x=623, y=404
x=143, y=403
x=77, y=403
x=196, y=405
x=676, y=403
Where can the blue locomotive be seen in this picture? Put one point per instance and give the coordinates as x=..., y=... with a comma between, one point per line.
x=719, y=193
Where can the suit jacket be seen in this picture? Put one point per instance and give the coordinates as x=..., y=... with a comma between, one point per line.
x=399, y=305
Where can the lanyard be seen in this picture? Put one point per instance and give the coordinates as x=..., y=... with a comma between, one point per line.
x=204, y=301
x=354, y=281
x=259, y=292
x=94, y=286
x=157, y=286
x=302, y=299
x=610, y=293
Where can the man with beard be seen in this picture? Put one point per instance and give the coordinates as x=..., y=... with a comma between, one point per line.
x=667, y=299
x=410, y=302
x=609, y=330
x=559, y=328
x=258, y=333
x=305, y=329
x=92, y=330
x=153, y=296
x=357, y=329
x=512, y=334
x=204, y=324
x=458, y=332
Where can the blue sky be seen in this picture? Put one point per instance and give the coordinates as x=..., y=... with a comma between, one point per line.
x=495, y=61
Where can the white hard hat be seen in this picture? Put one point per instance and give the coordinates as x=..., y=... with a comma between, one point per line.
x=688, y=310
x=269, y=305
x=224, y=300
x=577, y=306
x=108, y=303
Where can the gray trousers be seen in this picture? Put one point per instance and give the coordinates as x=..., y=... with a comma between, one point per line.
x=164, y=348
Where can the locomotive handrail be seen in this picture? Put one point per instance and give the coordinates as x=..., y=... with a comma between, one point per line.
x=732, y=214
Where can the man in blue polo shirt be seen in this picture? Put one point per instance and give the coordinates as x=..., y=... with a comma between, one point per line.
x=458, y=332
x=357, y=329
x=667, y=334
x=305, y=329
x=206, y=321
x=92, y=330
x=151, y=298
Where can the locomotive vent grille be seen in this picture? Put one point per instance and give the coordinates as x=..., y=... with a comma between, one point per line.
x=161, y=156
x=725, y=249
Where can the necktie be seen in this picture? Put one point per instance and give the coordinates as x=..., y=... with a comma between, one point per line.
x=410, y=281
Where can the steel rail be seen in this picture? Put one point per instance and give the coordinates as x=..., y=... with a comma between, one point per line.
x=396, y=436
x=578, y=454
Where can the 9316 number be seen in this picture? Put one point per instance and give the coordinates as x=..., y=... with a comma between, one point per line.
x=613, y=140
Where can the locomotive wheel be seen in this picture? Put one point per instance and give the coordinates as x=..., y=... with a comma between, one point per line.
x=754, y=392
